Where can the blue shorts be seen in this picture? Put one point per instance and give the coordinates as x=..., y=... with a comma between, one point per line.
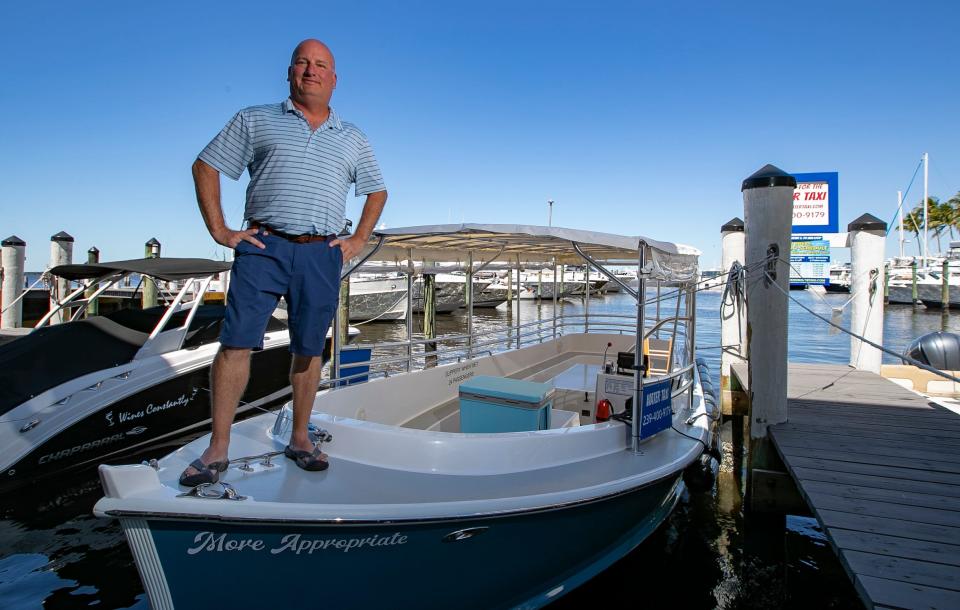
x=307, y=276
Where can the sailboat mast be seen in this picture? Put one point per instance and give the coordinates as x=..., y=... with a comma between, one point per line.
x=926, y=167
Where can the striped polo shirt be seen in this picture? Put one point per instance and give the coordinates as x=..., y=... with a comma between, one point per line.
x=299, y=177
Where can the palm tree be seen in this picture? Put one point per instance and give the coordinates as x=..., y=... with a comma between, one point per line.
x=913, y=222
x=954, y=204
x=938, y=219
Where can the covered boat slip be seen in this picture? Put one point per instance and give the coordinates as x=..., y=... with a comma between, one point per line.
x=380, y=469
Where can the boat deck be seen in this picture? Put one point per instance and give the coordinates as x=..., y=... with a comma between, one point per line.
x=413, y=467
x=878, y=466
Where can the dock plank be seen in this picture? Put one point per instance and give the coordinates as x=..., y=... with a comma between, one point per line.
x=895, y=546
x=880, y=460
x=920, y=427
x=906, y=570
x=911, y=474
x=877, y=482
x=906, y=448
x=877, y=465
x=932, y=516
x=882, y=525
x=899, y=594
x=877, y=409
x=885, y=433
x=888, y=496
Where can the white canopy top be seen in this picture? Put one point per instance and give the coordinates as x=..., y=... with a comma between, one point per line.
x=533, y=244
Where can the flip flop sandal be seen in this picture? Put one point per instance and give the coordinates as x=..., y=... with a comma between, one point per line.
x=307, y=460
x=206, y=473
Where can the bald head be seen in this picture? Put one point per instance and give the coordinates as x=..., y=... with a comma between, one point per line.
x=312, y=75
x=309, y=45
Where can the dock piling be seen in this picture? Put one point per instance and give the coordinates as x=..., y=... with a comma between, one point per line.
x=430, y=317
x=733, y=317
x=945, y=286
x=343, y=312
x=148, y=297
x=867, y=241
x=61, y=253
x=886, y=284
x=913, y=275
x=768, y=214
x=410, y=272
x=13, y=256
x=93, y=307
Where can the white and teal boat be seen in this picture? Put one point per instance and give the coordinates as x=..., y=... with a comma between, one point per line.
x=567, y=462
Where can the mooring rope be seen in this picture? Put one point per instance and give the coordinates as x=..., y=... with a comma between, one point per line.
x=883, y=349
x=42, y=277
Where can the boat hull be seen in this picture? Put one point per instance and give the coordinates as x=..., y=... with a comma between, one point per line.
x=932, y=294
x=170, y=407
x=524, y=559
x=902, y=295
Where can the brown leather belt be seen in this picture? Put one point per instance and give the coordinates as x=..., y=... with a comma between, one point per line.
x=297, y=239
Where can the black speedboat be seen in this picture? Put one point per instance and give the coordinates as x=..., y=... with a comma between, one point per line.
x=78, y=392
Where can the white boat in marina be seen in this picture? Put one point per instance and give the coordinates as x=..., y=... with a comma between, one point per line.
x=625, y=276
x=539, y=285
x=839, y=278
x=929, y=279
x=492, y=296
x=713, y=279
x=577, y=284
x=447, y=486
x=378, y=297
x=450, y=291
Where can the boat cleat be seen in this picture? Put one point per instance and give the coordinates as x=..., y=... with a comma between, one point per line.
x=253, y=464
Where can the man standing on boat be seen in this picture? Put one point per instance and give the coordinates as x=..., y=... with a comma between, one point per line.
x=302, y=159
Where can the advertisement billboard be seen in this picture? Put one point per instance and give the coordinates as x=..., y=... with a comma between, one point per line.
x=815, y=203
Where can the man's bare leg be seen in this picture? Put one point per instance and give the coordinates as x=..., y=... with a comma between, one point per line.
x=305, y=378
x=228, y=376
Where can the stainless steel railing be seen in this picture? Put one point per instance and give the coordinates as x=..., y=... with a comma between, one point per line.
x=396, y=357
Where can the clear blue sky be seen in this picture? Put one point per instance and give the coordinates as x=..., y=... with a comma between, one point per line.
x=635, y=117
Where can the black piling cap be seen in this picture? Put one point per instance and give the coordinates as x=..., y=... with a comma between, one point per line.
x=732, y=225
x=62, y=236
x=768, y=175
x=867, y=222
x=93, y=250
x=153, y=242
x=13, y=240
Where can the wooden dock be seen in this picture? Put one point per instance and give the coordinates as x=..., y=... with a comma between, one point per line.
x=879, y=466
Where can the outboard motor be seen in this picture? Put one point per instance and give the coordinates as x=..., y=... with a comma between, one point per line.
x=940, y=350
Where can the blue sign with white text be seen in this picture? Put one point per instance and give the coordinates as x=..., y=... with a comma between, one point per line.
x=657, y=412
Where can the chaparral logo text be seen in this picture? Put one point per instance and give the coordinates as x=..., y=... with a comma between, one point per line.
x=52, y=457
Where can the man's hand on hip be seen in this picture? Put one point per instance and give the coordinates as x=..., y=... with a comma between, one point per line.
x=230, y=238
x=349, y=246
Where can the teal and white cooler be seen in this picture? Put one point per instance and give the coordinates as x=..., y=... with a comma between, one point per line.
x=500, y=404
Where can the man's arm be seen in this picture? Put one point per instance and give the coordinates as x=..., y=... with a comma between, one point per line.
x=372, y=207
x=206, y=180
